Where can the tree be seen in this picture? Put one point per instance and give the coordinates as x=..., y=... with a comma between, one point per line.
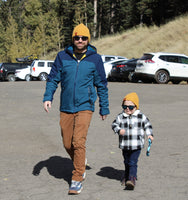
x=2, y=42
x=4, y=12
x=145, y=9
x=95, y=19
x=30, y=15
x=25, y=44
x=53, y=31
x=104, y=17
x=41, y=39
x=12, y=40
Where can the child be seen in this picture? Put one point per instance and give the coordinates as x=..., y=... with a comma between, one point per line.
x=131, y=125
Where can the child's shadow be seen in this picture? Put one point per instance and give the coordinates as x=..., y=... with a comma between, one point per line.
x=111, y=173
x=57, y=166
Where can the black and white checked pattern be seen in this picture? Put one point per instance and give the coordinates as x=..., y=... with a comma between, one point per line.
x=136, y=126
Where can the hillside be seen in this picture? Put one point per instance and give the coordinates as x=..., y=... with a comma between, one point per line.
x=172, y=37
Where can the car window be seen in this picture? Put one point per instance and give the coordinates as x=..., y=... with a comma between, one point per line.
x=40, y=64
x=172, y=59
x=49, y=64
x=109, y=58
x=146, y=57
x=183, y=60
x=162, y=58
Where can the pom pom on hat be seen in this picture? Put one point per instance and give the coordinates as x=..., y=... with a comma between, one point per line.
x=132, y=97
x=81, y=30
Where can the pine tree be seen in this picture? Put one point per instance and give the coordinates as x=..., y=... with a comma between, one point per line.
x=25, y=44
x=12, y=40
x=53, y=31
x=2, y=43
x=31, y=13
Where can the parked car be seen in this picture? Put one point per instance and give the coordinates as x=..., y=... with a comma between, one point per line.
x=162, y=67
x=41, y=68
x=108, y=65
x=7, y=70
x=106, y=58
x=124, y=71
x=23, y=74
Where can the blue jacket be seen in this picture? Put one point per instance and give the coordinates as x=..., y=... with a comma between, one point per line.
x=80, y=81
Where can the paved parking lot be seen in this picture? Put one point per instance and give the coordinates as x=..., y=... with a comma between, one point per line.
x=35, y=166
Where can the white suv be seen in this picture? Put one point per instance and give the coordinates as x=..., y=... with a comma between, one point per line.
x=162, y=67
x=41, y=68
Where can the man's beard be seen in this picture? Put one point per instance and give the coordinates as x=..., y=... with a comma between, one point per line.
x=81, y=49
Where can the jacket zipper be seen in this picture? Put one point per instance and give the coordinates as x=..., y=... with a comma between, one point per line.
x=128, y=128
x=75, y=84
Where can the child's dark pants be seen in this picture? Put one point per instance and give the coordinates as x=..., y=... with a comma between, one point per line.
x=130, y=161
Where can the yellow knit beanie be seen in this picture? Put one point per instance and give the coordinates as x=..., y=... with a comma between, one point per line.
x=132, y=97
x=81, y=30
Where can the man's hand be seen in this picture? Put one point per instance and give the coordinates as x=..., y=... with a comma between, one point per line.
x=47, y=104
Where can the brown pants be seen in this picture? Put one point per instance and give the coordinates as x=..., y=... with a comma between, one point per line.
x=74, y=128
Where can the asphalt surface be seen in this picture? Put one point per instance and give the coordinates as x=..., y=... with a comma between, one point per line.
x=35, y=166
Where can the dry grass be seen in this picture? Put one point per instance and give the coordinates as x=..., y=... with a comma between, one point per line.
x=172, y=37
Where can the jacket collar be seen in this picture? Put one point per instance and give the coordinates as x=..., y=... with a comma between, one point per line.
x=90, y=50
x=134, y=114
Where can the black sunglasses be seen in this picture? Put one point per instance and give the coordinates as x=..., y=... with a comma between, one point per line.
x=130, y=107
x=77, y=38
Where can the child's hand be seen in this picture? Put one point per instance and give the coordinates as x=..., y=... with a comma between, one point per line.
x=122, y=132
x=151, y=137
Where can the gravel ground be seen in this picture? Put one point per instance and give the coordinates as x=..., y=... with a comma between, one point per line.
x=35, y=166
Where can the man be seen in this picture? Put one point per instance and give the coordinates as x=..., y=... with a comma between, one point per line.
x=81, y=72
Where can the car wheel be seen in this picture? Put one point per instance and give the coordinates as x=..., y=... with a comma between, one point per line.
x=28, y=77
x=43, y=77
x=132, y=78
x=162, y=77
x=11, y=77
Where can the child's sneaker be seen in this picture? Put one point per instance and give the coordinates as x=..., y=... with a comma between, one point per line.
x=76, y=187
x=130, y=184
x=123, y=181
x=124, y=178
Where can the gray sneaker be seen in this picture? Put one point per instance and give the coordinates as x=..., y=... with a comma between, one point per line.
x=76, y=187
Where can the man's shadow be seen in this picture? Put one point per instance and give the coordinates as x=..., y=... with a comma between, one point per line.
x=57, y=166
x=111, y=173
